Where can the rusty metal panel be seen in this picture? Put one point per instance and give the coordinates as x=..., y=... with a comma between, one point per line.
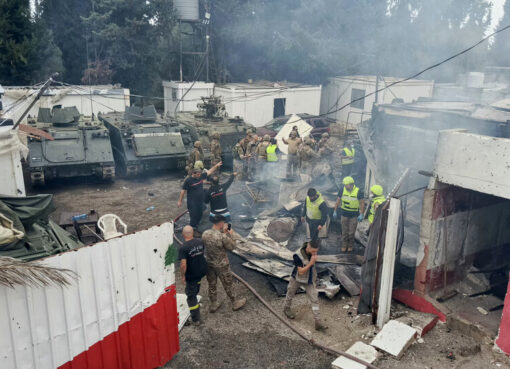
x=121, y=282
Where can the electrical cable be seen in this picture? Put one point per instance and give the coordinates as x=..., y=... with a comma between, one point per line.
x=198, y=71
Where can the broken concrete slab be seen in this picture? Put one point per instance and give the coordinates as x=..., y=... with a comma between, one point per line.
x=422, y=322
x=360, y=350
x=394, y=338
x=349, y=277
x=183, y=309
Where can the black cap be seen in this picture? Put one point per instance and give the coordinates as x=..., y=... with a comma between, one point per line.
x=311, y=192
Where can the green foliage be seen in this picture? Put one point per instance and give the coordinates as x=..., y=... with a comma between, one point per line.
x=170, y=255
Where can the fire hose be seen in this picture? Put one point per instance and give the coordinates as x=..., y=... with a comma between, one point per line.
x=329, y=350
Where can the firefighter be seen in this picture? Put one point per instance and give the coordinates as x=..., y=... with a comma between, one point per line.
x=376, y=199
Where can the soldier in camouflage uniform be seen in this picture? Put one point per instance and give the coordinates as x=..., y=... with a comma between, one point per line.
x=325, y=149
x=215, y=149
x=218, y=240
x=197, y=154
x=307, y=157
x=261, y=152
x=252, y=160
x=241, y=158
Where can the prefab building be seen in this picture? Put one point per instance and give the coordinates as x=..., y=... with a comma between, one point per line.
x=88, y=99
x=340, y=91
x=184, y=96
x=259, y=102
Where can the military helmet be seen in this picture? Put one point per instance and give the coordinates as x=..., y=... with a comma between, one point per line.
x=348, y=180
x=197, y=144
x=376, y=190
x=215, y=135
x=267, y=137
x=325, y=135
x=249, y=131
x=308, y=141
x=198, y=165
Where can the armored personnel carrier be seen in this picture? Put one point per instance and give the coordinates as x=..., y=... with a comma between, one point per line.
x=210, y=118
x=144, y=142
x=80, y=146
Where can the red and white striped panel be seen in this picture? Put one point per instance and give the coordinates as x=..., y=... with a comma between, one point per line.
x=120, y=314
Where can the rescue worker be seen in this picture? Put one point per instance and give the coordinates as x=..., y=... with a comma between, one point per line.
x=376, y=199
x=193, y=268
x=261, y=152
x=307, y=156
x=304, y=274
x=293, y=143
x=347, y=158
x=218, y=240
x=351, y=199
x=215, y=149
x=271, y=151
x=314, y=214
x=197, y=154
x=193, y=187
x=216, y=195
x=241, y=158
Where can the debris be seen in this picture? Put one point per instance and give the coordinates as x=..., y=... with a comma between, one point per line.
x=420, y=340
x=150, y=208
x=281, y=229
x=347, y=307
x=360, y=350
x=481, y=310
x=327, y=287
x=150, y=193
x=124, y=188
x=422, y=322
x=394, y=338
x=349, y=277
x=450, y=355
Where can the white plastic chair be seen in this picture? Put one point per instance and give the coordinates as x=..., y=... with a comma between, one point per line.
x=108, y=226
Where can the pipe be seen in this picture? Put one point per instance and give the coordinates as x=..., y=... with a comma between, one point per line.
x=298, y=332
x=329, y=350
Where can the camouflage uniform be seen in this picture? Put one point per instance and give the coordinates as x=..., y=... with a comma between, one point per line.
x=195, y=155
x=251, y=149
x=215, y=149
x=261, y=152
x=216, y=245
x=293, y=143
x=325, y=149
x=307, y=157
x=240, y=164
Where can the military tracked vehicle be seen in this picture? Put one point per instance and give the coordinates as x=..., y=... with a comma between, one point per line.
x=144, y=142
x=80, y=146
x=210, y=118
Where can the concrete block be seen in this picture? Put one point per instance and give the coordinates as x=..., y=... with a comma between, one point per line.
x=422, y=322
x=394, y=338
x=360, y=350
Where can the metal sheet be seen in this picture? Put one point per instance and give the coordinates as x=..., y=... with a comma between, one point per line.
x=118, y=279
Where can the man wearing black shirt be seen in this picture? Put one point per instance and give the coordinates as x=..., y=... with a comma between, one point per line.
x=217, y=197
x=193, y=186
x=193, y=268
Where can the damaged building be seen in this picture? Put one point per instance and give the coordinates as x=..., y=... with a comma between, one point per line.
x=455, y=208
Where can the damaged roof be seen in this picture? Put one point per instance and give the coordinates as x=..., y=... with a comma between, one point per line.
x=424, y=109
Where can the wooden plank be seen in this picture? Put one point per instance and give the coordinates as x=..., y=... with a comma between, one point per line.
x=344, y=276
x=388, y=263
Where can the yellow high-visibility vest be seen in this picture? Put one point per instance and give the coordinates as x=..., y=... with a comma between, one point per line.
x=271, y=153
x=350, y=200
x=312, y=208
x=375, y=201
x=350, y=156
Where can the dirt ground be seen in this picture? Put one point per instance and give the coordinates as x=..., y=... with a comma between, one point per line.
x=253, y=337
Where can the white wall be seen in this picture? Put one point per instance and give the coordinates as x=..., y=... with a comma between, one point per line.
x=190, y=101
x=338, y=92
x=474, y=162
x=11, y=151
x=256, y=106
x=102, y=100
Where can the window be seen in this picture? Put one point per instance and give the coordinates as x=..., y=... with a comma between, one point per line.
x=279, y=107
x=358, y=94
x=174, y=94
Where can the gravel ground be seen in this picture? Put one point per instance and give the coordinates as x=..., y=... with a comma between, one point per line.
x=252, y=337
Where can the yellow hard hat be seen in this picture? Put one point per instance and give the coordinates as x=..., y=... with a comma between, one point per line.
x=348, y=180
x=376, y=190
x=199, y=164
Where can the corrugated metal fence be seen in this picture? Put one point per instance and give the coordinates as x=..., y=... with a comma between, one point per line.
x=121, y=282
